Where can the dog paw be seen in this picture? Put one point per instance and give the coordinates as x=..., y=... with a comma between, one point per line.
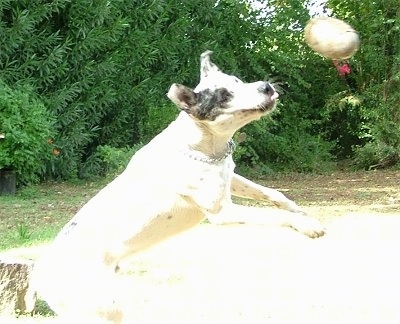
x=308, y=226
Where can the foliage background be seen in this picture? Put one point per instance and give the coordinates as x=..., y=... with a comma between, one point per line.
x=27, y=130
x=102, y=68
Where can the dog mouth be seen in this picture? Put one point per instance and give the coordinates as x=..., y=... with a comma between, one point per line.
x=271, y=97
x=268, y=105
x=264, y=108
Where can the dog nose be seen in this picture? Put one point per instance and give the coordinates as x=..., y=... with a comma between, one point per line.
x=267, y=88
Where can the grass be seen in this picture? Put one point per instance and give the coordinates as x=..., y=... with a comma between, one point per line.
x=36, y=213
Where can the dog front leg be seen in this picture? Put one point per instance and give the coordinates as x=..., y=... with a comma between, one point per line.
x=234, y=213
x=244, y=188
x=289, y=214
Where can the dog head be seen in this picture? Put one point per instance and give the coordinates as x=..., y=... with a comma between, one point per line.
x=223, y=99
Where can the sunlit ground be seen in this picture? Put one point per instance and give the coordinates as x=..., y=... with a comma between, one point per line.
x=257, y=274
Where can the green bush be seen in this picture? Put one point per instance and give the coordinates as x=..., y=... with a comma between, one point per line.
x=27, y=129
x=102, y=69
x=376, y=155
x=108, y=160
x=343, y=122
x=368, y=128
x=283, y=142
x=157, y=118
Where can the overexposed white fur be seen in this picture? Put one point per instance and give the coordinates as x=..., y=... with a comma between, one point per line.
x=182, y=176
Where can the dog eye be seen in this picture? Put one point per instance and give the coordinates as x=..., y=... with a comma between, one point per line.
x=224, y=95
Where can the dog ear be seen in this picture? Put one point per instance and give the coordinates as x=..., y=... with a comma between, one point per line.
x=184, y=97
x=206, y=66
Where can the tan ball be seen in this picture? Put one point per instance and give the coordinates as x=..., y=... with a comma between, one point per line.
x=331, y=37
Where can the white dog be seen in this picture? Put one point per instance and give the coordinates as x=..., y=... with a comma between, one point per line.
x=182, y=176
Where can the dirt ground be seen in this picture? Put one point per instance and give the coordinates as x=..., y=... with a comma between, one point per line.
x=257, y=274
x=329, y=196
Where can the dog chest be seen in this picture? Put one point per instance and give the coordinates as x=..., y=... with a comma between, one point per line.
x=207, y=185
x=174, y=170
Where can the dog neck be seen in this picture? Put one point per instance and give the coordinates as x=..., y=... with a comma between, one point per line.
x=202, y=144
x=211, y=159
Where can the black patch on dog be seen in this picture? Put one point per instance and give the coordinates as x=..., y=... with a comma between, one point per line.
x=210, y=102
x=188, y=97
